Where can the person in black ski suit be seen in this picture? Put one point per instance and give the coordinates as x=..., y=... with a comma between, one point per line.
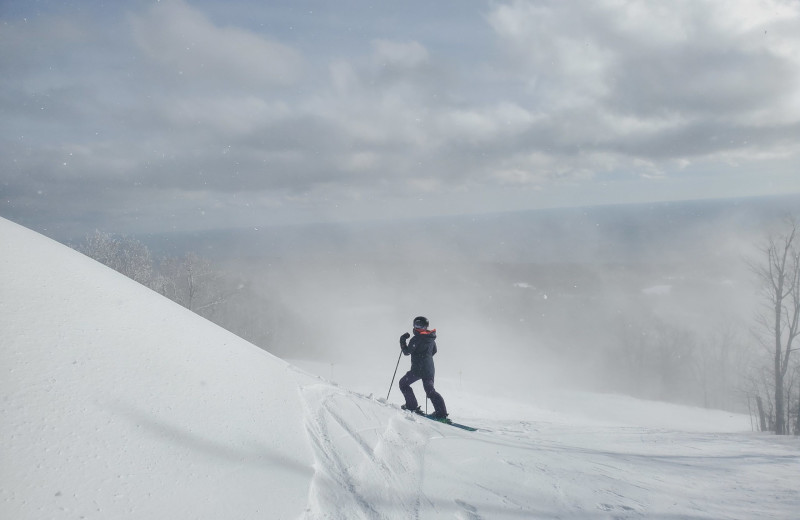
x=421, y=348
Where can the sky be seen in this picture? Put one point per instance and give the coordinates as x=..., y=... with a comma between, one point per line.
x=175, y=115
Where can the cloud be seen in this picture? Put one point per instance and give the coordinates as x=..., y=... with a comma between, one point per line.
x=230, y=116
x=406, y=55
x=183, y=41
x=668, y=70
x=486, y=123
x=181, y=98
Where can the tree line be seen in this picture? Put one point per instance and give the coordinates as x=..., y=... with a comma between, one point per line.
x=195, y=283
x=752, y=364
x=188, y=280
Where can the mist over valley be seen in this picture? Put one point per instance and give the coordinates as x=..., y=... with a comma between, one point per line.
x=634, y=299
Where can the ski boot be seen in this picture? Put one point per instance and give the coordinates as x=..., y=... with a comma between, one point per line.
x=416, y=410
x=442, y=418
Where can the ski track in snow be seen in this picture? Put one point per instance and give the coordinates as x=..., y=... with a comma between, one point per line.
x=373, y=461
x=374, y=471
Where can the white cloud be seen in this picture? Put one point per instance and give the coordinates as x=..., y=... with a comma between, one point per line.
x=399, y=54
x=230, y=115
x=553, y=44
x=184, y=41
x=692, y=55
x=690, y=78
x=485, y=123
x=360, y=162
x=343, y=77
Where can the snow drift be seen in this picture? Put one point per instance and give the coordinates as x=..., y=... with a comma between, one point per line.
x=117, y=403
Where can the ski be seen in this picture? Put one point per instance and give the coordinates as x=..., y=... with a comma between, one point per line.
x=451, y=423
x=419, y=412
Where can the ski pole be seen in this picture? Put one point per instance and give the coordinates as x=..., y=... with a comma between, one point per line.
x=393, y=375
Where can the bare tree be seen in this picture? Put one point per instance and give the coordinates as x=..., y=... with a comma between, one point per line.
x=192, y=282
x=797, y=410
x=125, y=255
x=780, y=279
x=790, y=382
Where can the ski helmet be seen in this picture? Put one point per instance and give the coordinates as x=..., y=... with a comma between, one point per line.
x=421, y=322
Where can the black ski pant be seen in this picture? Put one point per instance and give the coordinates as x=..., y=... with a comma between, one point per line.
x=411, y=400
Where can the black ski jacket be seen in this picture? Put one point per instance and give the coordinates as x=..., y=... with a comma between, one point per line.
x=421, y=348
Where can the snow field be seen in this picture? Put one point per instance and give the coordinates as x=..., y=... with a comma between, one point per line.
x=116, y=403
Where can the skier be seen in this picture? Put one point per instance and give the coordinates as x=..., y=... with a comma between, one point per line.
x=421, y=348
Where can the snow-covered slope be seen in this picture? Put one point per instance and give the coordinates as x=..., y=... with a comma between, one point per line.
x=117, y=403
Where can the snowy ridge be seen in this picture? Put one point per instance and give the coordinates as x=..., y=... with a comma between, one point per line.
x=117, y=403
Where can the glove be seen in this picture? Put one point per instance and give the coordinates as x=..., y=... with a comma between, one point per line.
x=403, y=344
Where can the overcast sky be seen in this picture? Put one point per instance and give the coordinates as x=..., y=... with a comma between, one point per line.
x=134, y=116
